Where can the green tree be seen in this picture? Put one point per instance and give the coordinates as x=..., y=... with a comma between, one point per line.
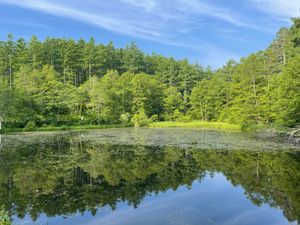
x=13, y=108
x=35, y=53
x=295, y=32
x=53, y=98
x=189, y=75
x=104, y=100
x=10, y=54
x=90, y=57
x=289, y=94
x=133, y=59
x=173, y=103
x=147, y=94
x=21, y=54
x=208, y=99
x=246, y=88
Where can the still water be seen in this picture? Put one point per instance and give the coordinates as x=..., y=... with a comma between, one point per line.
x=149, y=176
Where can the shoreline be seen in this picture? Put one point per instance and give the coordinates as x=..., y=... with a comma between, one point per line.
x=287, y=135
x=63, y=128
x=222, y=126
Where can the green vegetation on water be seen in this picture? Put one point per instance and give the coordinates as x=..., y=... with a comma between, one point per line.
x=164, y=124
x=63, y=83
x=83, y=127
x=198, y=124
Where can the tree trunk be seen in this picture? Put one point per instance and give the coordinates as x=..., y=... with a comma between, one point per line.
x=10, y=71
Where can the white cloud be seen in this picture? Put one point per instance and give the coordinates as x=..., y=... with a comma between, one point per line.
x=148, y=5
x=107, y=22
x=149, y=19
x=173, y=22
x=202, y=8
x=284, y=9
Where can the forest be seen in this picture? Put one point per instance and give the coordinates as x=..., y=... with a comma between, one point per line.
x=62, y=82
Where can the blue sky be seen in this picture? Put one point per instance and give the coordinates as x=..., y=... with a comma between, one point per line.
x=206, y=31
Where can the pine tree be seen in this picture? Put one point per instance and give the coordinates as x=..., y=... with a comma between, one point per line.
x=133, y=59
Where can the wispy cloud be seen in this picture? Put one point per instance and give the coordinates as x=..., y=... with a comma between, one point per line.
x=166, y=22
x=203, y=8
x=282, y=9
x=107, y=22
x=151, y=18
x=148, y=5
x=173, y=22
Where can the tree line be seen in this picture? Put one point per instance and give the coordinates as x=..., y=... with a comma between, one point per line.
x=67, y=82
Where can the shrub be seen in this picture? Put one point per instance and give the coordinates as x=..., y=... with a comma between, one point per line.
x=140, y=119
x=125, y=118
x=30, y=126
x=154, y=118
x=64, y=127
x=180, y=117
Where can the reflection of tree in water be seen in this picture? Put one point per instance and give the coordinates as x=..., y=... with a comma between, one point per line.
x=61, y=176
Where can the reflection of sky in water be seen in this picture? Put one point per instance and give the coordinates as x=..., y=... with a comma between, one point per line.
x=213, y=201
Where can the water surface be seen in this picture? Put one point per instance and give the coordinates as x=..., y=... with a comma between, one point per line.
x=149, y=176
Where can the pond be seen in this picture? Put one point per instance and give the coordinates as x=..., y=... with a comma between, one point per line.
x=149, y=176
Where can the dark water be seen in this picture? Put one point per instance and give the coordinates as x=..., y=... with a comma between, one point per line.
x=149, y=176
